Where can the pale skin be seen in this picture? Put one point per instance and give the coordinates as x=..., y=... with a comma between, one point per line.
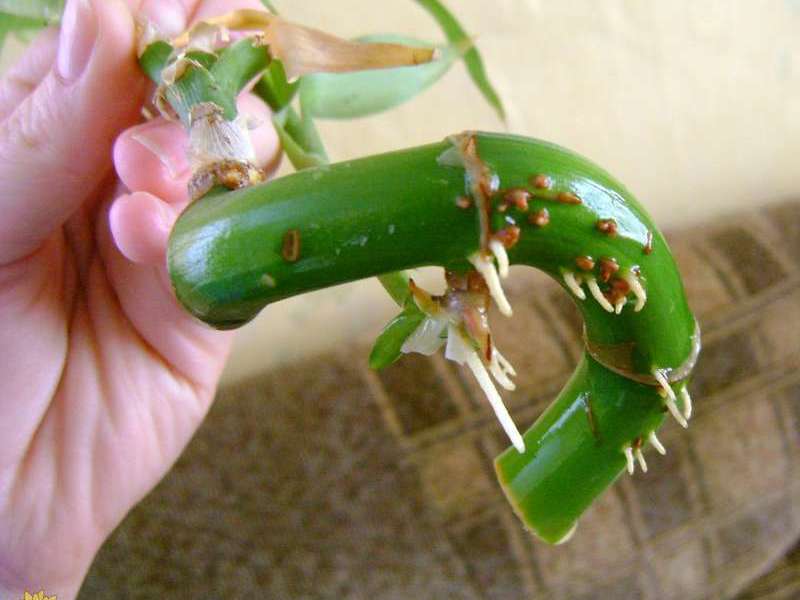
x=103, y=378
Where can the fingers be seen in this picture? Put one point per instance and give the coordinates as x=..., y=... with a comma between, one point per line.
x=151, y=157
x=265, y=140
x=55, y=147
x=146, y=297
x=212, y=8
x=169, y=16
x=21, y=79
x=140, y=225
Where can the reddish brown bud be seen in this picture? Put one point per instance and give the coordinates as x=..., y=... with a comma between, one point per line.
x=607, y=226
x=540, y=218
x=608, y=267
x=476, y=283
x=619, y=289
x=517, y=197
x=585, y=263
x=568, y=198
x=541, y=181
x=291, y=245
x=463, y=202
x=508, y=236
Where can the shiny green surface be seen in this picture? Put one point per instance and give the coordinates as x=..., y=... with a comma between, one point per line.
x=574, y=449
x=388, y=346
x=398, y=211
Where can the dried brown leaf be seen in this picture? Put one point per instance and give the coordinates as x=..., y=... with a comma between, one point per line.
x=304, y=50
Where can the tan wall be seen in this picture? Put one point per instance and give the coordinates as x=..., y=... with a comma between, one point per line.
x=694, y=104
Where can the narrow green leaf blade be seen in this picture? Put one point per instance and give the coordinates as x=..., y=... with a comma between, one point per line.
x=387, y=348
x=397, y=286
x=274, y=88
x=47, y=12
x=19, y=26
x=363, y=93
x=456, y=35
x=269, y=6
x=297, y=140
x=154, y=59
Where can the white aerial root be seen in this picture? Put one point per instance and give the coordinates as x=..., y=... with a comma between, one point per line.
x=499, y=251
x=640, y=459
x=668, y=394
x=504, y=364
x=486, y=267
x=499, y=373
x=591, y=282
x=637, y=289
x=620, y=303
x=500, y=410
x=573, y=285
x=629, y=459
x=430, y=335
x=687, y=403
x=634, y=455
x=656, y=443
x=459, y=351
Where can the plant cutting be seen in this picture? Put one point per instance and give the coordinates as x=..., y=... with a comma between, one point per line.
x=474, y=204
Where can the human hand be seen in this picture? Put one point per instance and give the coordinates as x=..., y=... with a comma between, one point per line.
x=104, y=378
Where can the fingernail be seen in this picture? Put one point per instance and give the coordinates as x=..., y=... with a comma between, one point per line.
x=166, y=216
x=169, y=16
x=166, y=142
x=77, y=38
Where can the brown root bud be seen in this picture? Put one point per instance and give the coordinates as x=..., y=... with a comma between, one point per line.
x=568, y=198
x=290, y=250
x=619, y=290
x=540, y=218
x=608, y=267
x=585, y=263
x=508, y=236
x=463, y=202
x=607, y=226
x=229, y=173
x=541, y=181
x=517, y=197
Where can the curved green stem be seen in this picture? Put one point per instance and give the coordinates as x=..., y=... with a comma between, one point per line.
x=368, y=216
x=232, y=253
x=575, y=449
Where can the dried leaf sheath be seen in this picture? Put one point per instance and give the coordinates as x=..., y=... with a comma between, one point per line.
x=304, y=50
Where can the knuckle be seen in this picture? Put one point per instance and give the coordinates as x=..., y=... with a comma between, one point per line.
x=29, y=128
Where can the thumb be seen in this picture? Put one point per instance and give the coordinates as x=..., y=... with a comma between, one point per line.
x=55, y=147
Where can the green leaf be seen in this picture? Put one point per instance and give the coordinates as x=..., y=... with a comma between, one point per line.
x=387, y=348
x=299, y=139
x=397, y=286
x=456, y=35
x=362, y=93
x=154, y=59
x=274, y=88
x=238, y=64
x=46, y=12
x=269, y=6
x=21, y=27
